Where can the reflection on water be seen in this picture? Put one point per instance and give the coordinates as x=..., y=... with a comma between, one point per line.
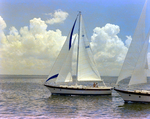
x=80, y=106
x=136, y=106
x=139, y=110
x=28, y=98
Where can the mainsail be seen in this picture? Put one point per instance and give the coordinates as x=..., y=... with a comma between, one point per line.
x=135, y=50
x=86, y=67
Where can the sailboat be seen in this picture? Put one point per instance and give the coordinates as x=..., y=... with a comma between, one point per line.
x=75, y=65
x=135, y=64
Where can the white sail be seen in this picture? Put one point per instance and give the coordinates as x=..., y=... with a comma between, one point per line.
x=62, y=56
x=146, y=66
x=65, y=74
x=139, y=74
x=89, y=50
x=86, y=69
x=69, y=77
x=135, y=48
x=59, y=61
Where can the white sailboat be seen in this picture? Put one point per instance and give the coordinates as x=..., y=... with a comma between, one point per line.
x=135, y=64
x=63, y=81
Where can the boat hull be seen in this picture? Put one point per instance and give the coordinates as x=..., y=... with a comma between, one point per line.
x=133, y=96
x=56, y=90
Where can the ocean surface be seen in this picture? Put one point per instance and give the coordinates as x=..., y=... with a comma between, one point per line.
x=24, y=97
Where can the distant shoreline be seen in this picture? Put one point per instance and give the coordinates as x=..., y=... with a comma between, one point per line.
x=5, y=76
x=22, y=76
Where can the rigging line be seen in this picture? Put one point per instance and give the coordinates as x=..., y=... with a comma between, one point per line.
x=78, y=46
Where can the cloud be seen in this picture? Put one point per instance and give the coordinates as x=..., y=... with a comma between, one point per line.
x=58, y=17
x=2, y=27
x=108, y=48
x=33, y=49
x=128, y=41
x=2, y=36
x=30, y=50
x=2, y=24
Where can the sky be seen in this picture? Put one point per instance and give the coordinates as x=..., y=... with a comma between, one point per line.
x=32, y=32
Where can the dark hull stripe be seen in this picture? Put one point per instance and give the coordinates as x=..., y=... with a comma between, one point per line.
x=78, y=94
x=137, y=101
x=77, y=88
x=130, y=92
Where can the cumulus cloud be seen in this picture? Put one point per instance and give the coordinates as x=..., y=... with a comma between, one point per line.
x=2, y=36
x=128, y=41
x=108, y=48
x=31, y=49
x=2, y=23
x=58, y=17
x=2, y=27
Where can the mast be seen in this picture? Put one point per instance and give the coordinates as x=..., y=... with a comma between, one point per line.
x=78, y=46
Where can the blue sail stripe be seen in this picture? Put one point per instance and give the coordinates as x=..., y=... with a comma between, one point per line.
x=54, y=76
x=70, y=40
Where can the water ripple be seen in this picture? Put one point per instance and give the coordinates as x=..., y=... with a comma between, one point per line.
x=27, y=99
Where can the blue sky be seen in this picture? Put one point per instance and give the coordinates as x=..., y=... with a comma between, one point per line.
x=124, y=13
x=18, y=16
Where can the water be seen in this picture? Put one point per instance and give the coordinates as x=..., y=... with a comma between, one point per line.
x=26, y=97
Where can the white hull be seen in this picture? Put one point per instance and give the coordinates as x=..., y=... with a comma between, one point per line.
x=61, y=90
x=134, y=96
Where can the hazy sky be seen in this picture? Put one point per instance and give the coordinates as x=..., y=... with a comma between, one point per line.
x=33, y=31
